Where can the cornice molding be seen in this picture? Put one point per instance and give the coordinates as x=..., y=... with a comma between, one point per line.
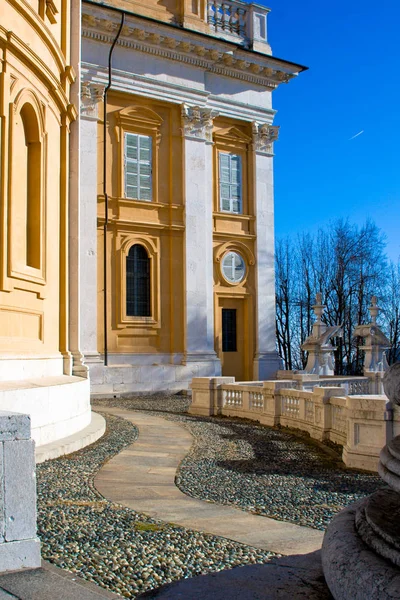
x=259, y=70
x=124, y=81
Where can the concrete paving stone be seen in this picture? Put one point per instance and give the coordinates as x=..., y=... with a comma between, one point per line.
x=51, y=583
x=6, y=596
x=131, y=480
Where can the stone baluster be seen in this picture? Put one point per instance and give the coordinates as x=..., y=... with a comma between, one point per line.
x=211, y=12
x=218, y=15
x=225, y=16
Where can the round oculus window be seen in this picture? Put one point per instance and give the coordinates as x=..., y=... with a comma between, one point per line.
x=233, y=267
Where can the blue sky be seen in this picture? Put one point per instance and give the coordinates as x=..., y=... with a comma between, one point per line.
x=352, y=50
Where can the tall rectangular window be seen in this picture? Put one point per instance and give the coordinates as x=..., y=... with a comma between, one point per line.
x=230, y=186
x=229, y=337
x=138, y=167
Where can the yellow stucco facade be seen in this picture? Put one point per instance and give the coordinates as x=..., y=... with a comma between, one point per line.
x=35, y=120
x=185, y=279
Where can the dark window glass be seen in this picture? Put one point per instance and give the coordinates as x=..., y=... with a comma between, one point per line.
x=138, y=282
x=229, y=330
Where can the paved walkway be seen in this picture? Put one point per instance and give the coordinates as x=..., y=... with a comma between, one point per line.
x=142, y=477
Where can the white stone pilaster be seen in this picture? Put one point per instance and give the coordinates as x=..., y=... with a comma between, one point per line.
x=78, y=368
x=91, y=96
x=266, y=360
x=197, y=131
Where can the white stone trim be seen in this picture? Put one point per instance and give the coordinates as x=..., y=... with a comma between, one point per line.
x=124, y=81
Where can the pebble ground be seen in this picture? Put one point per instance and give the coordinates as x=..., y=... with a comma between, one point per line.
x=113, y=546
x=263, y=470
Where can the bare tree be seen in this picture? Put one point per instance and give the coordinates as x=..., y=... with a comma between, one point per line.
x=347, y=264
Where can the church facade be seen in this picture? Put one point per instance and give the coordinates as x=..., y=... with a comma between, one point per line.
x=175, y=222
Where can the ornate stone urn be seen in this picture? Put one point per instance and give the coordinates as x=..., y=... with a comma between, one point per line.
x=361, y=548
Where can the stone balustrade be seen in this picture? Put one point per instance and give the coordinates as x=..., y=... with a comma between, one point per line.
x=239, y=22
x=361, y=423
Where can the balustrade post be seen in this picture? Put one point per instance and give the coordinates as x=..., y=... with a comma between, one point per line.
x=245, y=400
x=242, y=13
x=302, y=409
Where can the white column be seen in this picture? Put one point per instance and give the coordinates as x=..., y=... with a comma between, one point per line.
x=78, y=368
x=197, y=130
x=266, y=360
x=91, y=96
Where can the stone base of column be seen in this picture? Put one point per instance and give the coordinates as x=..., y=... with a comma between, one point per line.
x=92, y=358
x=361, y=549
x=266, y=365
x=22, y=554
x=354, y=571
x=203, y=357
x=79, y=369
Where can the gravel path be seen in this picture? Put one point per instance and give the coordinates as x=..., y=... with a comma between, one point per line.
x=113, y=546
x=259, y=469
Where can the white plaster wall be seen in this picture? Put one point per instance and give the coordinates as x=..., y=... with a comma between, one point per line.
x=58, y=406
x=17, y=368
x=128, y=379
x=234, y=89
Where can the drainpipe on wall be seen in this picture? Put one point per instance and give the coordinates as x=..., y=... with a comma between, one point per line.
x=105, y=185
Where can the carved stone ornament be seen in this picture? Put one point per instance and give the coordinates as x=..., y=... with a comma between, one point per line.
x=391, y=383
x=197, y=122
x=264, y=136
x=91, y=95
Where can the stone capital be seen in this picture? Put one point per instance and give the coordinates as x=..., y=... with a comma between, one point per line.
x=264, y=136
x=91, y=95
x=197, y=122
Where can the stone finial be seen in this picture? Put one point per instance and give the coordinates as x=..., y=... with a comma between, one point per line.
x=391, y=383
x=374, y=309
x=320, y=351
x=318, y=307
x=375, y=342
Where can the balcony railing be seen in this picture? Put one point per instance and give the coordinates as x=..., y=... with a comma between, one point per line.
x=240, y=22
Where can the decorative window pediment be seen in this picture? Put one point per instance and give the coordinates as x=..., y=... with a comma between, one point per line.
x=139, y=117
x=232, y=136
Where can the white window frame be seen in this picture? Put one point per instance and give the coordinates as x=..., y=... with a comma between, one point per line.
x=231, y=184
x=228, y=267
x=138, y=162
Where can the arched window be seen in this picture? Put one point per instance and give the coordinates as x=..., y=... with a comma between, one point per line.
x=138, y=282
x=30, y=173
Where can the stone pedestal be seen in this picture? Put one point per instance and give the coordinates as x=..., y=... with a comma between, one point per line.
x=19, y=546
x=361, y=549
